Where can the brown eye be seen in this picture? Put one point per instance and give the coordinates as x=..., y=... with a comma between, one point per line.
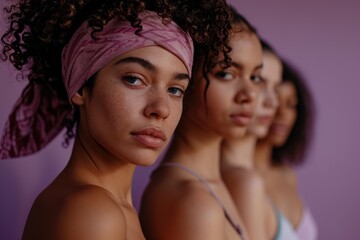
x=225, y=75
x=257, y=79
x=132, y=80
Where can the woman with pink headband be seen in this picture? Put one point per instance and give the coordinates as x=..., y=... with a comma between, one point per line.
x=117, y=71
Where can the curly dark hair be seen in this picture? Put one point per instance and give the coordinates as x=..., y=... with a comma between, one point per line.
x=295, y=147
x=39, y=29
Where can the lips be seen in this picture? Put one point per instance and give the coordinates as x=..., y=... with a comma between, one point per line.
x=265, y=120
x=150, y=137
x=241, y=119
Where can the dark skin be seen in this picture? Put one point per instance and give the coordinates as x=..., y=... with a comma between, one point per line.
x=238, y=164
x=176, y=205
x=37, y=32
x=91, y=197
x=281, y=180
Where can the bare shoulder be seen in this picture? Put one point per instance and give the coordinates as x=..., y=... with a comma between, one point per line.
x=197, y=198
x=198, y=210
x=243, y=181
x=89, y=212
x=181, y=210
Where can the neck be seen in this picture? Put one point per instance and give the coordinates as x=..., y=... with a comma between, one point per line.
x=263, y=154
x=92, y=166
x=197, y=148
x=238, y=152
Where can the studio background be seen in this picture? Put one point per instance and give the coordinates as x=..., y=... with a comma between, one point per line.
x=322, y=39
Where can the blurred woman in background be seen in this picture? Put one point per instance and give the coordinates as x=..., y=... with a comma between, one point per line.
x=284, y=147
x=262, y=219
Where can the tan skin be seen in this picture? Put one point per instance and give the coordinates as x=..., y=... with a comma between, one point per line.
x=91, y=198
x=237, y=158
x=175, y=204
x=281, y=181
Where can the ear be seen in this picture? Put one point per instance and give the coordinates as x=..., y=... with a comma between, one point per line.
x=78, y=99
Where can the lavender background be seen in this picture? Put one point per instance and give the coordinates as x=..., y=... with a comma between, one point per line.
x=321, y=38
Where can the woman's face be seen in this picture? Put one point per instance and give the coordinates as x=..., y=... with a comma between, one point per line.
x=230, y=97
x=267, y=102
x=286, y=114
x=134, y=106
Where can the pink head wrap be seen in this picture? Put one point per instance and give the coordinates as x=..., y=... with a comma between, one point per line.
x=32, y=126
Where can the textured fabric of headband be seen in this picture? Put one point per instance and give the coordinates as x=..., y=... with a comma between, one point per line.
x=33, y=125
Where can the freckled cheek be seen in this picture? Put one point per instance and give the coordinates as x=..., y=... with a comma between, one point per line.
x=127, y=108
x=114, y=107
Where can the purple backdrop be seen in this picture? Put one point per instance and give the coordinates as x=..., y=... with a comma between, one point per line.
x=321, y=38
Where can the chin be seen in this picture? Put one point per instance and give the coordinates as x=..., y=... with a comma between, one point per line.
x=145, y=157
x=277, y=141
x=145, y=162
x=238, y=133
x=260, y=132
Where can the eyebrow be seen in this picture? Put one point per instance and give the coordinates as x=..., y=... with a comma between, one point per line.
x=237, y=65
x=151, y=67
x=144, y=63
x=259, y=66
x=240, y=66
x=182, y=76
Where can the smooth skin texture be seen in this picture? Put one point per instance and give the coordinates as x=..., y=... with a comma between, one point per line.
x=91, y=198
x=268, y=102
x=286, y=114
x=175, y=205
x=281, y=181
x=237, y=158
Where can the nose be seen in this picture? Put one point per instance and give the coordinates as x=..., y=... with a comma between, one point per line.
x=157, y=106
x=246, y=93
x=271, y=99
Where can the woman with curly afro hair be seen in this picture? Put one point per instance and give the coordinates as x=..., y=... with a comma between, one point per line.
x=187, y=197
x=114, y=74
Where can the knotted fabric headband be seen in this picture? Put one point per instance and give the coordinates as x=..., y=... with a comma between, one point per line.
x=33, y=125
